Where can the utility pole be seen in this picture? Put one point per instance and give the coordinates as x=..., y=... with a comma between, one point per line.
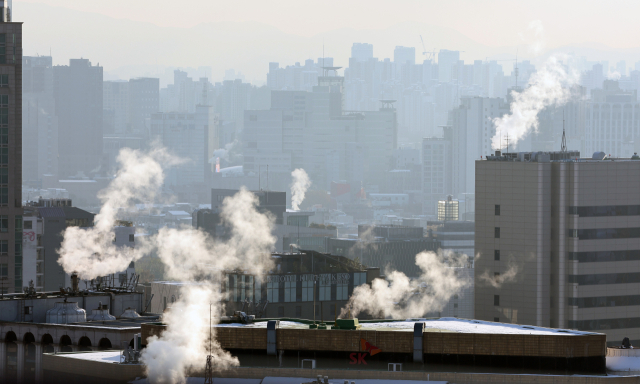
x=208, y=370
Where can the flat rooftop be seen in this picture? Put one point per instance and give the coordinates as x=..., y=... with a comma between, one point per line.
x=444, y=324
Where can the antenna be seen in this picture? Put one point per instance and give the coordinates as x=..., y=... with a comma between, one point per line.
x=563, y=146
x=507, y=142
x=516, y=70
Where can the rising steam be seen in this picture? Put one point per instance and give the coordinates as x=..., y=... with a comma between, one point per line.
x=189, y=255
x=399, y=297
x=551, y=85
x=299, y=186
x=91, y=251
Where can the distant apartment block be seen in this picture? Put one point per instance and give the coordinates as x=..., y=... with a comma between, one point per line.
x=79, y=104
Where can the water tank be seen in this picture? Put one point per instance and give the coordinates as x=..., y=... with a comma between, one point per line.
x=100, y=314
x=129, y=313
x=66, y=312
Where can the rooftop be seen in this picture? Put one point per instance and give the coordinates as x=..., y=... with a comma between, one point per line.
x=444, y=324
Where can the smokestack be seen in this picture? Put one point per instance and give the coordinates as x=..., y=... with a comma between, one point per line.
x=74, y=280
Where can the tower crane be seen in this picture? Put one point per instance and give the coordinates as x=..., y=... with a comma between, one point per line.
x=427, y=55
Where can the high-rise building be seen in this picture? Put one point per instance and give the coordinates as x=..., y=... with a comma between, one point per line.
x=310, y=130
x=472, y=131
x=362, y=51
x=39, y=121
x=78, y=97
x=191, y=136
x=558, y=241
x=115, y=99
x=611, y=121
x=10, y=152
x=437, y=178
x=144, y=99
x=446, y=60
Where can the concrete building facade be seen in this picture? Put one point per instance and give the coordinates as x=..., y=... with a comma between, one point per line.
x=559, y=242
x=10, y=155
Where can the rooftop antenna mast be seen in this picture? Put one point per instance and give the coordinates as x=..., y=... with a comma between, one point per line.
x=563, y=146
x=208, y=371
x=507, y=142
x=516, y=69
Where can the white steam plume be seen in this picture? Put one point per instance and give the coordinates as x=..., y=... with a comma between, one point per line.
x=188, y=254
x=299, y=186
x=550, y=85
x=496, y=281
x=91, y=251
x=401, y=298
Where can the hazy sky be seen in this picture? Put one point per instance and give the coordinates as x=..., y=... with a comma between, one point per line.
x=490, y=22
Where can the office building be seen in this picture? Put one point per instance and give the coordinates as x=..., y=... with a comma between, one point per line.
x=10, y=153
x=571, y=230
x=437, y=176
x=144, y=99
x=190, y=136
x=115, y=99
x=612, y=120
x=39, y=121
x=472, y=131
x=311, y=130
x=79, y=105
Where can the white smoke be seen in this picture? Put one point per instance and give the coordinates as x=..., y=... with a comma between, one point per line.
x=399, y=297
x=189, y=255
x=551, y=85
x=299, y=187
x=614, y=75
x=496, y=281
x=91, y=251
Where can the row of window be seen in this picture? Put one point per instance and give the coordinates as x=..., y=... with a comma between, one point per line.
x=605, y=210
x=604, y=233
x=604, y=278
x=604, y=301
x=597, y=211
x=602, y=324
x=601, y=256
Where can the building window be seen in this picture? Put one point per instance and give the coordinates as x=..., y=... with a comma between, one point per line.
x=4, y=80
x=4, y=156
x=4, y=247
x=289, y=291
x=28, y=224
x=4, y=195
x=496, y=319
x=4, y=136
x=3, y=48
x=497, y=210
x=273, y=291
x=496, y=300
x=496, y=255
x=131, y=237
x=307, y=289
x=4, y=270
x=4, y=223
x=257, y=290
x=342, y=291
x=497, y=232
x=325, y=287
